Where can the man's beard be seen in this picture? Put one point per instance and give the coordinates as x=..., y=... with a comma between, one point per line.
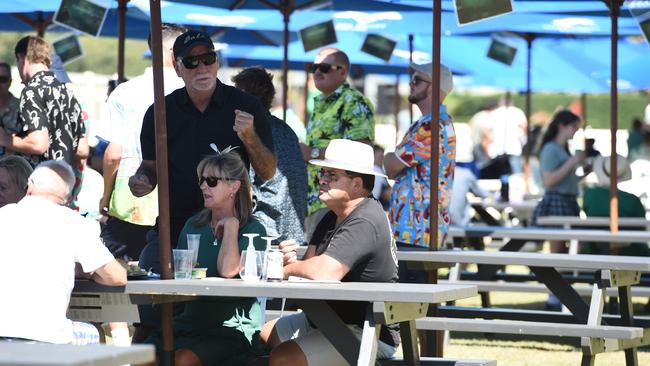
x=416, y=98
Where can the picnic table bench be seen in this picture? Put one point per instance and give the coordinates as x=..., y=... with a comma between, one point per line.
x=46, y=354
x=587, y=321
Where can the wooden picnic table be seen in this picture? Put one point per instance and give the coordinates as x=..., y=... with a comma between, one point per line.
x=390, y=303
x=46, y=354
x=614, y=271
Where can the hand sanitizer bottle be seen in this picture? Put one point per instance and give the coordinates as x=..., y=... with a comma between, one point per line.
x=250, y=266
x=265, y=260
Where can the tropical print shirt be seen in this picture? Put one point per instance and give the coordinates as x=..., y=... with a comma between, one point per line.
x=46, y=104
x=409, y=207
x=344, y=114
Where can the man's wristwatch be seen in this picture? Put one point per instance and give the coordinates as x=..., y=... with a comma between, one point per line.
x=315, y=153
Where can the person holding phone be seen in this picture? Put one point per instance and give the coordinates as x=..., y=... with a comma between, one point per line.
x=558, y=168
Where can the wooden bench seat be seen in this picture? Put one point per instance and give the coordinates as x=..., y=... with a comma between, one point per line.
x=501, y=286
x=529, y=315
x=437, y=361
x=424, y=361
x=528, y=328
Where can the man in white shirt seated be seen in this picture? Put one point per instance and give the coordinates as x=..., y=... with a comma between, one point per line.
x=42, y=240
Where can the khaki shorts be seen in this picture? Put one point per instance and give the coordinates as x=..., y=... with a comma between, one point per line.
x=316, y=348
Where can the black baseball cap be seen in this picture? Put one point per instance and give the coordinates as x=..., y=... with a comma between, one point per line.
x=188, y=40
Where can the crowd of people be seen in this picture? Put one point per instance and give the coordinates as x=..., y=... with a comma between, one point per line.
x=233, y=169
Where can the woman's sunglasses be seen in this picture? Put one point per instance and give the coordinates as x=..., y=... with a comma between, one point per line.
x=212, y=181
x=192, y=62
x=323, y=67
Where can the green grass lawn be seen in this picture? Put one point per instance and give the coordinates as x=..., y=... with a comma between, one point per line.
x=518, y=350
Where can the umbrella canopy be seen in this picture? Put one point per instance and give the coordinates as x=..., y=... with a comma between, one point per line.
x=15, y=14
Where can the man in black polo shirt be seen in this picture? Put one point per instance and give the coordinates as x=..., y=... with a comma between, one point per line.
x=205, y=112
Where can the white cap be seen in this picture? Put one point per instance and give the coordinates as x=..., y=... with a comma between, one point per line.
x=426, y=71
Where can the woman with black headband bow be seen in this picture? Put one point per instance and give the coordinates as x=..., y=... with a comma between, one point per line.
x=219, y=331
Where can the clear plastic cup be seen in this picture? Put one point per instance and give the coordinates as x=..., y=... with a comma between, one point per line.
x=193, y=242
x=182, y=264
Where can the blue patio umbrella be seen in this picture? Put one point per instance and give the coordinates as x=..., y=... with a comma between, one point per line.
x=281, y=12
x=584, y=7
x=561, y=65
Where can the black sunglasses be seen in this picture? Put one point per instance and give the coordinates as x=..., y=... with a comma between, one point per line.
x=416, y=80
x=192, y=62
x=212, y=181
x=323, y=67
x=4, y=79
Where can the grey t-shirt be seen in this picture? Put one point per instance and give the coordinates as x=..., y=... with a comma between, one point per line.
x=551, y=157
x=364, y=243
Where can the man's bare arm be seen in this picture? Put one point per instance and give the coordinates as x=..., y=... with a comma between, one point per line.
x=261, y=157
x=110, y=274
x=83, y=150
x=36, y=142
x=320, y=267
x=111, y=162
x=393, y=165
x=263, y=160
x=144, y=180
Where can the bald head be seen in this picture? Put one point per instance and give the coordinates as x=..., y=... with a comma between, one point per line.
x=339, y=57
x=52, y=180
x=330, y=79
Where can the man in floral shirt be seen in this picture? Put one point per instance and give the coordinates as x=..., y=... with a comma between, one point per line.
x=340, y=112
x=409, y=165
x=50, y=122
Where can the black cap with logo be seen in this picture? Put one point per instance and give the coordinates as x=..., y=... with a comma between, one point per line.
x=188, y=40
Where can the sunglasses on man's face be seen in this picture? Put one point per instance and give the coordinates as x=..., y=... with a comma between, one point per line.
x=4, y=79
x=323, y=67
x=415, y=79
x=192, y=62
x=212, y=181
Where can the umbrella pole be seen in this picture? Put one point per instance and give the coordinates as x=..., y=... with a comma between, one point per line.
x=305, y=97
x=121, y=12
x=614, y=11
x=167, y=354
x=40, y=24
x=286, y=9
x=529, y=44
x=583, y=107
x=435, y=345
x=397, y=104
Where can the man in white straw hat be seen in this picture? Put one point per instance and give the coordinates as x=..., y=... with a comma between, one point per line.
x=352, y=243
x=596, y=203
x=410, y=164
